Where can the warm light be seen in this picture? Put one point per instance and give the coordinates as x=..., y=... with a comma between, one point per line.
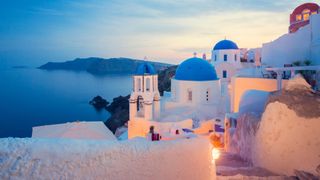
x=215, y=153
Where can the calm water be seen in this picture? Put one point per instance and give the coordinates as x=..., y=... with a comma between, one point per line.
x=33, y=97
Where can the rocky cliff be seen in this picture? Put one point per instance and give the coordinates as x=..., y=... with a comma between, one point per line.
x=100, y=66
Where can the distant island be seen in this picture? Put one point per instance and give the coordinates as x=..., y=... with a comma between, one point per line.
x=101, y=66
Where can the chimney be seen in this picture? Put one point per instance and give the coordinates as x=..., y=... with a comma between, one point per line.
x=204, y=56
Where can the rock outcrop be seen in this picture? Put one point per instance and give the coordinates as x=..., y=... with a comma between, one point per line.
x=99, y=103
x=119, y=109
x=164, y=76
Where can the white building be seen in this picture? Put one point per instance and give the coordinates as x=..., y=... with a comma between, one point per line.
x=254, y=55
x=304, y=44
x=226, y=59
x=194, y=102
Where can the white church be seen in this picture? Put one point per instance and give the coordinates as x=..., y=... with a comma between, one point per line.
x=193, y=104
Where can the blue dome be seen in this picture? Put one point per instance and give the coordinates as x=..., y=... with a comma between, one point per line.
x=145, y=68
x=225, y=44
x=196, y=69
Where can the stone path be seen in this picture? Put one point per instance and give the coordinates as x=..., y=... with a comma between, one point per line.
x=232, y=167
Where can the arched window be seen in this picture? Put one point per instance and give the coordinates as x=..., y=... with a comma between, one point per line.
x=139, y=103
x=298, y=17
x=306, y=14
x=225, y=57
x=189, y=95
x=139, y=84
x=224, y=74
x=148, y=84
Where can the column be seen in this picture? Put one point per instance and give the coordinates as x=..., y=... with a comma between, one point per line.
x=132, y=109
x=157, y=108
x=148, y=111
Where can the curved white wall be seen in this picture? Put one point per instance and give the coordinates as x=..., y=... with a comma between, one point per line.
x=179, y=91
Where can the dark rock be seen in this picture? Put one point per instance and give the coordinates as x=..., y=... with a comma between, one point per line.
x=99, y=103
x=119, y=109
x=164, y=79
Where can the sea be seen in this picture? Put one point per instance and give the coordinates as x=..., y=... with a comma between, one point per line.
x=33, y=97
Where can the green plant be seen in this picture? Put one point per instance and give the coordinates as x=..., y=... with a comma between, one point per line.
x=307, y=62
x=296, y=63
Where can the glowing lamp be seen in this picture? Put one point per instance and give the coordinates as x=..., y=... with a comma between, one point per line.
x=215, y=153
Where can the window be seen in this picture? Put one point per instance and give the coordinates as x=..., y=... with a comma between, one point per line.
x=215, y=57
x=225, y=57
x=207, y=95
x=298, y=17
x=224, y=74
x=306, y=14
x=139, y=84
x=314, y=12
x=148, y=84
x=235, y=57
x=189, y=95
x=305, y=17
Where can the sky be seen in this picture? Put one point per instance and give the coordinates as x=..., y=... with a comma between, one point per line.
x=33, y=32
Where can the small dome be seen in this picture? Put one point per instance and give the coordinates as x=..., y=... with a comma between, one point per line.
x=195, y=69
x=145, y=68
x=225, y=44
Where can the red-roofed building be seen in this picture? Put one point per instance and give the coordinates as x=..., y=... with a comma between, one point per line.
x=301, y=15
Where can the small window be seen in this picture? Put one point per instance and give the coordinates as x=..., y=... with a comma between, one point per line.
x=225, y=57
x=305, y=17
x=298, y=17
x=224, y=74
x=306, y=14
x=235, y=57
x=314, y=12
x=139, y=84
x=189, y=95
x=215, y=57
x=148, y=84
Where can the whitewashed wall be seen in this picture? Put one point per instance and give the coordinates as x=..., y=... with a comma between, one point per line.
x=179, y=91
x=315, y=26
x=239, y=85
x=79, y=159
x=299, y=46
x=225, y=66
x=230, y=54
x=140, y=127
